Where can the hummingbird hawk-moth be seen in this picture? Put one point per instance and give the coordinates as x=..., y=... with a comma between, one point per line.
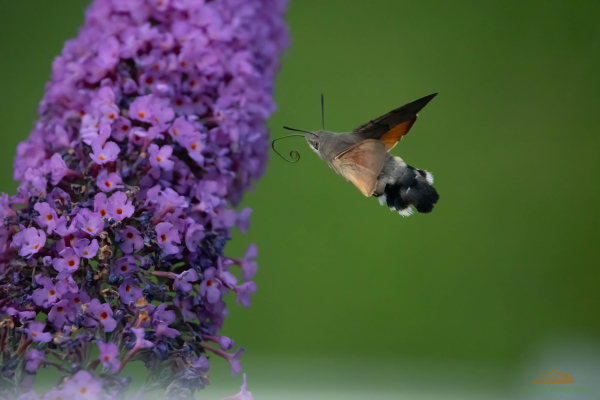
x=362, y=157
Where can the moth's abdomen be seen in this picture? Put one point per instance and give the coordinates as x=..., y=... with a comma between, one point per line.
x=401, y=186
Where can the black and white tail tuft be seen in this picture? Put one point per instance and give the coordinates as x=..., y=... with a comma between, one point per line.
x=401, y=186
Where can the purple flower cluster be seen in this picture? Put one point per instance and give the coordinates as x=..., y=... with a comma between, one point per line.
x=112, y=250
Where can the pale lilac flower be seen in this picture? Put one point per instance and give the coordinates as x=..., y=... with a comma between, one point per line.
x=47, y=218
x=243, y=292
x=107, y=182
x=163, y=330
x=57, y=167
x=104, y=152
x=140, y=341
x=243, y=220
x=47, y=294
x=160, y=157
x=109, y=355
x=118, y=206
x=66, y=284
x=32, y=241
x=90, y=222
x=244, y=394
x=248, y=265
x=209, y=287
x=86, y=249
x=83, y=386
x=202, y=363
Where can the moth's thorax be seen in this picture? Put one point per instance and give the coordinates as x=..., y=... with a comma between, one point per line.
x=328, y=144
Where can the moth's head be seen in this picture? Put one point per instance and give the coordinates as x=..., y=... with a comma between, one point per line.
x=313, y=139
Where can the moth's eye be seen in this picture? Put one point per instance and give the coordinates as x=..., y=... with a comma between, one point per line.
x=316, y=145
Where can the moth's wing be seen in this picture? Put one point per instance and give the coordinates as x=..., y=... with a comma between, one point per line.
x=391, y=127
x=361, y=164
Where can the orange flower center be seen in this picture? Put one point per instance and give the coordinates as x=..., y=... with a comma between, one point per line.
x=194, y=146
x=108, y=184
x=119, y=211
x=158, y=158
x=124, y=268
x=49, y=217
x=129, y=235
x=51, y=292
x=209, y=283
x=76, y=300
x=141, y=114
x=163, y=237
x=83, y=390
x=59, y=309
x=127, y=288
x=101, y=157
x=104, y=315
x=106, y=358
x=71, y=263
x=102, y=212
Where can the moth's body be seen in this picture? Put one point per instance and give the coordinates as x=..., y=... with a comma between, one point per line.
x=362, y=157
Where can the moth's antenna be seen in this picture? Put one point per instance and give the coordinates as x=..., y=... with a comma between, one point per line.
x=296, y=130
x=294, y=155
x=322, y=112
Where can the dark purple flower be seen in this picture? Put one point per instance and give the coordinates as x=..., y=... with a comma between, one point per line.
x=68, y=262
x=125, y=266
x=166, y=237
x=130, y=291
x=33, y=359
x=184, y=281
x=131, y=240
x=61, y=313
x=47, y=294
x=35, y=331
x=100, y=313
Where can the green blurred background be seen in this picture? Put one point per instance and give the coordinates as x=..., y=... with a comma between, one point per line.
x=497, y=285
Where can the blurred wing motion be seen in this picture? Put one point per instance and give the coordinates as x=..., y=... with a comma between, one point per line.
x=361, y=164
x=391, y=127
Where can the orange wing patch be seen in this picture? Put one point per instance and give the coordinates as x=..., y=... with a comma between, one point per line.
x=394, y=135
